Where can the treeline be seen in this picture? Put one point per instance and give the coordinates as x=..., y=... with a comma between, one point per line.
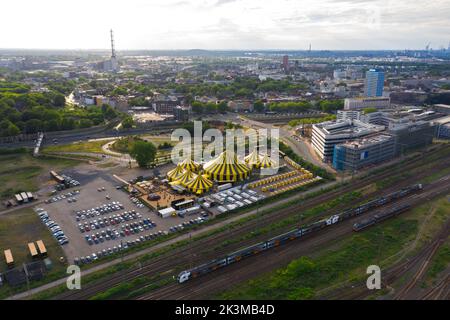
x=297, y=122
x=307, y=165
x=209, y=107
x=22, y=111
x=327, y=106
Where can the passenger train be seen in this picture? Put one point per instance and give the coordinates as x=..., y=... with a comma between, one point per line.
x=302, y=231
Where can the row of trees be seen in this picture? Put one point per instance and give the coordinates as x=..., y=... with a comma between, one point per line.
x=209, y=107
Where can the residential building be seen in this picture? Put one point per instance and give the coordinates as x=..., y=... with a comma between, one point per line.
x=181, y=113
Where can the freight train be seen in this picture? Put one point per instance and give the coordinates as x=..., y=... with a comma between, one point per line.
x=300, y=232
x=380, y=217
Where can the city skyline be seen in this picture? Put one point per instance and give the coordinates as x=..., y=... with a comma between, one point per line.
x=227, y=25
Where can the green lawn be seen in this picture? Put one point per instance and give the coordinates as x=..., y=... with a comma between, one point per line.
x=17, y=229
x=22, y=172
x=85, y=146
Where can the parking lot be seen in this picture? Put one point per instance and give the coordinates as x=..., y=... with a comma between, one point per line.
x=102, y=219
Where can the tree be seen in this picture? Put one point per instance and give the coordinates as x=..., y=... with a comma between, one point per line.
x=128, y=123
x=258, y=106
x=144, y=152
x=59, y=100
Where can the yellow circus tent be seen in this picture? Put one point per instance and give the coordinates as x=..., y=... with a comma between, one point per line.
x=174, y=174
x=186, y=177
x=253, y=159
x=266, y=162
x=199, y=184
x=189, y=164
x=226, y=167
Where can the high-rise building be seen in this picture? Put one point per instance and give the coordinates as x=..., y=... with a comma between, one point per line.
x=286, y=63
x=374, y=83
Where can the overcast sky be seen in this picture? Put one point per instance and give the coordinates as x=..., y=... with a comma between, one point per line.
x=225, y=24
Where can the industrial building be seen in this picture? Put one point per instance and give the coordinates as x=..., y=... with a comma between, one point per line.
x=326, y=135
x=367, y=102
x=359, y=153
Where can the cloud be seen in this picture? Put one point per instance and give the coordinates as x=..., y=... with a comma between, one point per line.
x=222, y=24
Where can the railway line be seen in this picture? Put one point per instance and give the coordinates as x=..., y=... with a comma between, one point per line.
x=440, y=291
x=392, y=274
x=221, y=279
x=186, y=255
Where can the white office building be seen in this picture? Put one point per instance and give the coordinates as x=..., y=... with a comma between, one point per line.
x=326, y=135
x=367, y=102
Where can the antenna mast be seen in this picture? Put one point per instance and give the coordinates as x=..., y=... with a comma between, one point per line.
x=113, y=51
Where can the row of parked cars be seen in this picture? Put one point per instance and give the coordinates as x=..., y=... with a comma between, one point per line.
x=123, y=246
x=69, y=196
x=57, y=233
x=98, y=211
x=109, y=221
x=126, y=230
x=137, y=202
x=188, y=223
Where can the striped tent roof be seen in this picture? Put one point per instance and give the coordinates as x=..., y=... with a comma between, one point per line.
x=226, y=167
x=186, y=177
x=199, y=184
x=253, y=159
x=189, y=164
x=175, y=173
x=266, y=162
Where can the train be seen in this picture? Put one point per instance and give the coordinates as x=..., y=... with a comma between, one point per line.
x=281, y=239
x=380, y=217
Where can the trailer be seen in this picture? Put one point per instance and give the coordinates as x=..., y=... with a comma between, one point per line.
x=42, y=248
x=32, y=249
x=18, y=198
x=9, y=258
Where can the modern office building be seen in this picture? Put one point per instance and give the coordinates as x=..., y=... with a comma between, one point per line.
x=326, y=135
x=286, y=63
x=442, y=108
x=412, y=134
x=356, y=154
x=348, y=115
x=442, y=127
x=367, y=102
x=374, y=83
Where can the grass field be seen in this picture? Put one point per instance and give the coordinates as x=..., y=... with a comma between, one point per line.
x=382, y=245
x=17, y=229
x=22, y=172
x=85, y=146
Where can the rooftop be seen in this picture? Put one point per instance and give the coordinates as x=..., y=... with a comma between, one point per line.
x=368, y=141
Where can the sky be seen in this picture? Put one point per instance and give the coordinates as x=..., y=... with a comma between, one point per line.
x=225, y=24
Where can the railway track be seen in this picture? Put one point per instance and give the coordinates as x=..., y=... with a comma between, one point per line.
x=440, y=291
x=392, y=274
x=217, y=281
x=186, y=255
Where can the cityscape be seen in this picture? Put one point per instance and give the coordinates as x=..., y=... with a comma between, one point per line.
x=212, y=174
